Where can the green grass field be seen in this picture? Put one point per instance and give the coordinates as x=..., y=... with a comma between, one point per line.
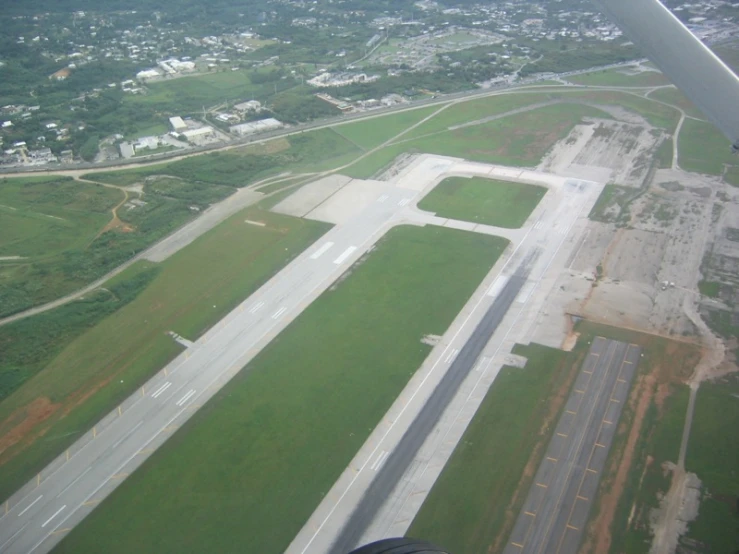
x=676, y=98
x=703, y=149
x=487, y=201
x=77, y=386
x=371, y=133
x=617, y=78
x=285, y=427
x=471, y=506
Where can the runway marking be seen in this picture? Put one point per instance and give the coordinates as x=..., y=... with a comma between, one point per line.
x=572, y=527
x=591, y=470
x=348, y=252
x=516, y=544
x=619, y=380
x=45, y=523
x=628, y=362
x=587, y=372
x=256, y=307
x=616, y=401
x=321, y=251
x=404, y=202
x=526, y=291
x=482, y=363
x=14, y=535
x=551, y=459
x=161, y=389
x=539, y=225
x=570, y=412
x=120, y=411
x=90, y=502
x=185, y=398
x=561, y=435
x=578, y=391
x=124, y=437
x=582, y=498
x=530, y=514
x=608, y=422
x=145, y=451
x=542, y=485
x=120, y=475
x=599, y=445
x=60, y=531
x=380, y=460
x=30, y=505
x=451, y=355
x=279, y=312
x=80, y=476
x=383, y=198
x=498, y=284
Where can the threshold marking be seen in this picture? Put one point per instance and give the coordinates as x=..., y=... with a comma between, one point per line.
x=161, y=389
x=256, y=307
x=30, y=505
x=348, y=252
x=185, y=398
x=279, y=312
x=383, y=198
x=404, y=202
x=321, y=251
x=539, y=225
x=380, y=460
x=59, y=511
x=451, y=355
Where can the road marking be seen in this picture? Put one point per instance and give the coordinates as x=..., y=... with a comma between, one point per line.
x=498, y=284
x=572, y=527
x=542, y=485
x=591, y=470
x=124, y=437
x=587, y=372
x=526, y=291
x=60, y=531
x=561, y=435
x=628, y=362
x=14, y=535
x=348, y=252
x=379, y=460
x=256, y=307
x=578, y=391
x=530, y=514
x=582, y=498
x=90, y=502
x=551, y=459
x=404, y=202
x=45, y=523
x=616, y=401
x=81, y=475
x=619, y=380
x=321, y=251
x=451, y=355
x=30, y=505
x=599, y=445
x=383, y=198
x=608, y=422
x=516, y=544
x=279, y=312
x=161, y=389
x=570, y=412
x=539, y=225
x=185, y=398
x=482, y=363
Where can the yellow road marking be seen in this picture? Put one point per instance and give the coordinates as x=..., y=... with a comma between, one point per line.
x=120, y=476
x=516, y=544
x=120, y=412
x=599, y=445
x=582, y=498
x=579, y=391
x=616, y=401
x=90, y=502
x=60, y=531
x=608, y=422
x=591, y=470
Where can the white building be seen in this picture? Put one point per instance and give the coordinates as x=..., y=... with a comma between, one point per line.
x=148, y=74
x=177, y=123
x=253, y=127
x=250, y=106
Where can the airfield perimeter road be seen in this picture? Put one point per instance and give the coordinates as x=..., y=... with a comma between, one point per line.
x=556, y=510
x=36, y=517
x=397, y=463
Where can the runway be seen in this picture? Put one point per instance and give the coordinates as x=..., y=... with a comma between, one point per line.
x=36, y=517
x=556, y=510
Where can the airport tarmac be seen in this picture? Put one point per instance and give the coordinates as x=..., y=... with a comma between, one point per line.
x=547, y=232
x=556, y=510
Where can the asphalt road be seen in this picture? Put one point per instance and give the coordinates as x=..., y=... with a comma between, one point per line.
x=37, y=517
x=400, y=459
x=556, y=510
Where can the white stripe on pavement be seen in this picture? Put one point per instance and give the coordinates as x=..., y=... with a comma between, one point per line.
x=321, y=251
x=256, y=308
x=185, y=398
x=279, y=312
x=348, y=252
x=30, y=505
x=161, y=389
x=52, y=517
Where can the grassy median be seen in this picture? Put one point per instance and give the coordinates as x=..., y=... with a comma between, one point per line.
x=251, y=466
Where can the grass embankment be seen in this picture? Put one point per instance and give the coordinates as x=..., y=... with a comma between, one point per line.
x=487, y=201
x=194, y=289
x=284, y=429
x=474, y=503
x=713, y=454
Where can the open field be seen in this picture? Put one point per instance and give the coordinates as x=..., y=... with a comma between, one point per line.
x=473, y=504
x=676, y=98
x=488, y=201
x=193, y=289
x=279, y=438
x=704, y=149
x=713, y=454
x=371, y=133
x=520, y=140
x=620, y=78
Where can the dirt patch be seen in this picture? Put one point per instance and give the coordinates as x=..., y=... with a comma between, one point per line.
x=23, y=422
x=116, y=223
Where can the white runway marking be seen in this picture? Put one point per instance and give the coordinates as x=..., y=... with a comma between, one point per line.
x=348, y=252
x=161, y=389
x=185, y=398
x=498, y=284
x=45, y=523
x=81, y=475
x=30, y=505
x=380, y=460
x=539, y=225
x=482, y=364
x=256, y=307
x=383, y=198
x=279, y=312
x=321, y=251
x=526, y=291
x=404, y=202
x=451, y=355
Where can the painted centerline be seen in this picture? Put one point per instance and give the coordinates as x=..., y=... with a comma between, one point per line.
x=59, y=511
